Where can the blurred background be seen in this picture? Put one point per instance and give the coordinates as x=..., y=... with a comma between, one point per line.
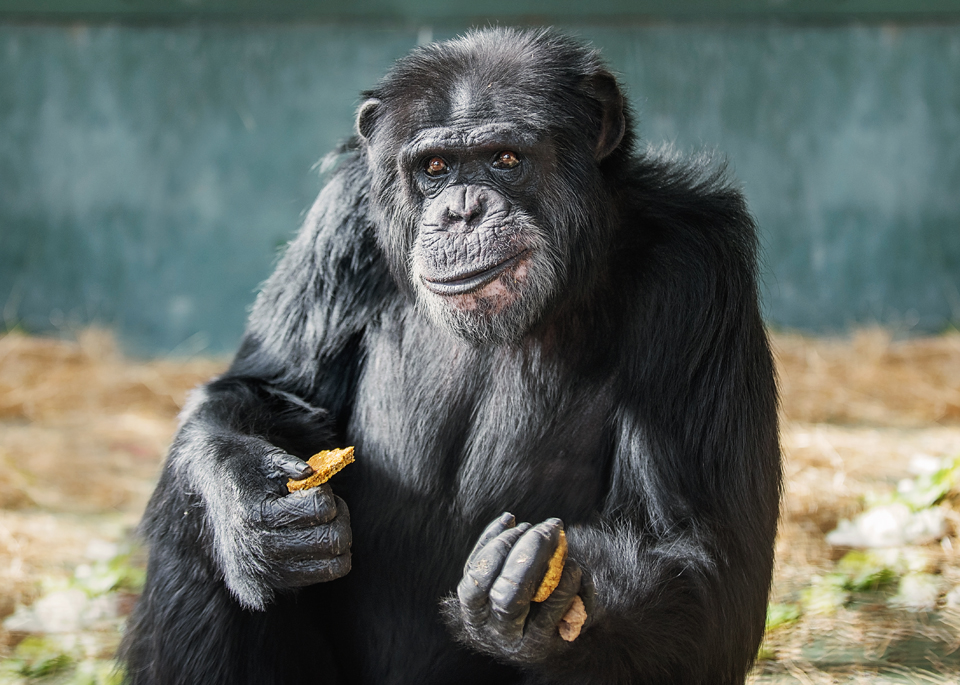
x=155, y=156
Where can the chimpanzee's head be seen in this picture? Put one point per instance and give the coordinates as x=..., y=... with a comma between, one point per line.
x=488, y=189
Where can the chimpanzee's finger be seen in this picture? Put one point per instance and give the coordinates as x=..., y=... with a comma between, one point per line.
x=310, y=571
x=483, y=570
x=318, y=542
x=300, y=508
x=283, y=465
x=501, y=523
x=556, y=605
x=521, y=575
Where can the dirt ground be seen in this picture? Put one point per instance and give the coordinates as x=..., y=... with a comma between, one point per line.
x=83, y=432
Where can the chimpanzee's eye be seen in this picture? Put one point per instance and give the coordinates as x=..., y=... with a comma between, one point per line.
x=436, y=166
x=506, y=160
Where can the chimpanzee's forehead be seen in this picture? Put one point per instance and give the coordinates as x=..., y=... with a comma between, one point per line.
x=532, y=79
x=479, y=107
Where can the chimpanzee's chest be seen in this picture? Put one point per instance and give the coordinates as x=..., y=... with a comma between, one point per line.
x=444, y=444
x=477, y=432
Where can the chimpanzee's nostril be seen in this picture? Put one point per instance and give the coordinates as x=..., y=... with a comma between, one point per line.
x=466, y=215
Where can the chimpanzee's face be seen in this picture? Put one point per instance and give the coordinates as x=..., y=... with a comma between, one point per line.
x=486, y=188
x=480, y=261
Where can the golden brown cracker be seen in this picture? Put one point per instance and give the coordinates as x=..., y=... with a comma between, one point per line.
x=552, y=578
x=325, y=464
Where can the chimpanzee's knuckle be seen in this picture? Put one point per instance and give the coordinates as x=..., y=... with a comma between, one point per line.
x=311, y=571
x=493, y=555
x=339, y=566
x=276, y=512
x=505, y=598
x=334, y=539
x=343, y=511
x=471, y=592
x=324, y=504
x=274, y=543
x=344, y=532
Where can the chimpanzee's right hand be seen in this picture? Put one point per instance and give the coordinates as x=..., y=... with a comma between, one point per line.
x=306, y=533
x=265, y=538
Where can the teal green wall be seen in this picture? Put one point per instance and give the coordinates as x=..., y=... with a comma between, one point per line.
x=150, y=171
x=421, y=11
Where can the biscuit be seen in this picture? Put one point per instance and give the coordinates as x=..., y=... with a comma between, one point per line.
x=325, y=464
x=552, y=577
x=573, y=620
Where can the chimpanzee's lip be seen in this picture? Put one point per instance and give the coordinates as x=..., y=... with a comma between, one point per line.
x=462, y=283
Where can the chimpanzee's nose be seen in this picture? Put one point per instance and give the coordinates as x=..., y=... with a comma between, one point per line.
x=466, y=205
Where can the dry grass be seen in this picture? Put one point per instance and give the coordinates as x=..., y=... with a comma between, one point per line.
x=83, y=431
x=855, y=412
x=870, y=378
x=42, y=379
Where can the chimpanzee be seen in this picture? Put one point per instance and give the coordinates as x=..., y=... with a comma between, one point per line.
x=505, y=306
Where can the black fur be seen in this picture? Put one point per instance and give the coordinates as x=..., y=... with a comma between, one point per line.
x=633, y=397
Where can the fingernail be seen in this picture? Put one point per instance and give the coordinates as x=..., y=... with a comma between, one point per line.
x=307, y=471
x=507, y=519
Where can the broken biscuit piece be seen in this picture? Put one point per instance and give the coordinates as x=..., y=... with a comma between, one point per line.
x=325, y=464
x=552, y=577
x=573, y=620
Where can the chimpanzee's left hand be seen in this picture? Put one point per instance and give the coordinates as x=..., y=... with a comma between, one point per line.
x=501, y=576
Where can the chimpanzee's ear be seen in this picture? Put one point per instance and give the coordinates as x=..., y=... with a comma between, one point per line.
x=366, y=118
x=603, y=87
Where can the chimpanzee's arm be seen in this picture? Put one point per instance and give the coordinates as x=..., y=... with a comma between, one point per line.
x=682, y=557
x=226, y=538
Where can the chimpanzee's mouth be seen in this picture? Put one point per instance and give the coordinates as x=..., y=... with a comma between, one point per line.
x=463, y=283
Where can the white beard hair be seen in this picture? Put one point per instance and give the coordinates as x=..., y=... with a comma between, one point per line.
x=541, y=281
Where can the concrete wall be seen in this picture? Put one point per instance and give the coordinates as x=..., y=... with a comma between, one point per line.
x=150, y=172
